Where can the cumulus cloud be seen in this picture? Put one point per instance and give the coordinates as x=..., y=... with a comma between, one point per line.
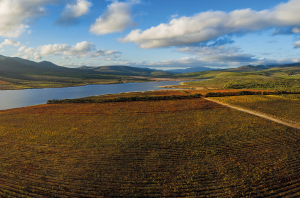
x=210, y=25
x=80, y=50
x=208, y=50
x=16, y=14
x=103, y=52
x=296, y=44
x=29, y=50
x=286, y=31
x=215, y=62
x=116, y=18
x=22, y=48
x=37, y=56
x=73, y=11
x=9, y=42
x=296, y=30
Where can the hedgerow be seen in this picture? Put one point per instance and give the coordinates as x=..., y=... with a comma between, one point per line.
x=242, y=93
x=124, y=99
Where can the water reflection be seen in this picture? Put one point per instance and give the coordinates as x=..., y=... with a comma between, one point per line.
x=28, y=97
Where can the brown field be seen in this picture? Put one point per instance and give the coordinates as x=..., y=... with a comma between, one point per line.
x=4, y=82
x=170, y=148
x=285, y=107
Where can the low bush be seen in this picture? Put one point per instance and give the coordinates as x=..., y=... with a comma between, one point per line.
x=124, y=99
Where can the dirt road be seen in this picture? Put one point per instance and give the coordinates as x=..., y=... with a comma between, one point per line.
x=297, y=126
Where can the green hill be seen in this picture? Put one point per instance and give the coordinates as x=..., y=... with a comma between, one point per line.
x=279, y=77
x=18, y=73
x=125, y=70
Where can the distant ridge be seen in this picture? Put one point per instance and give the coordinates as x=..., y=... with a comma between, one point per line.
x=124, y=70
x=15, y=67
x=188, y=70
x=250, y=68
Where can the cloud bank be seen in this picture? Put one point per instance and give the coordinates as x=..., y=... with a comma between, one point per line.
x=9, y=42
x=16, y=14
x=73, y=11
x=116, y=18
x=80, y=50
x=210, y=25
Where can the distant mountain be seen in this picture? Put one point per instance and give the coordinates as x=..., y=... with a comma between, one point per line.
x=17, y=67
x=250, y=68
x=266, y=70
x=125, y=70
x=188, y=70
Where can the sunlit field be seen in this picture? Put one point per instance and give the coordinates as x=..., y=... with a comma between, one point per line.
x=163, y=148
x=285, y=106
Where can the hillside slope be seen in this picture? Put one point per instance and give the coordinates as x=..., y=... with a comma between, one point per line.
x=125, y=70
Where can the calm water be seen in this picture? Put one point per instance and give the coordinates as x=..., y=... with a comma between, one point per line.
x=28, y=97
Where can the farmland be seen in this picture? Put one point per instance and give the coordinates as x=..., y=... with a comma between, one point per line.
x=285, y=106
x=163, y=148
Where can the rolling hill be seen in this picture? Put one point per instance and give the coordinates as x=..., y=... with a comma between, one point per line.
x=18, y=73
x=125, y=70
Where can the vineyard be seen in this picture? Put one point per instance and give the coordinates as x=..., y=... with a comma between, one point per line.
x=162, y=148
x=285, y=107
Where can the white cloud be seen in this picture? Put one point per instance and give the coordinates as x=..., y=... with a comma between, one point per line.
x=29, y=50
x=296, y=44
x=37, y=56
x=296, y=30
x=209, y=25
x=80, y=49
x=9, y=42
x=174, y=16
x=103, y=52
x=15, y=15
x=208, y=50
x=22, y=48
x=116, y=18
x=73, y=11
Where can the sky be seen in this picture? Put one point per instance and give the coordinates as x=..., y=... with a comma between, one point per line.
x=159, y=34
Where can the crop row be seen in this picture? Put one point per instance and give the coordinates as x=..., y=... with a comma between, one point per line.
x=160, y=148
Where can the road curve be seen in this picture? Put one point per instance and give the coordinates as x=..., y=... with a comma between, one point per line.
x=296, y=126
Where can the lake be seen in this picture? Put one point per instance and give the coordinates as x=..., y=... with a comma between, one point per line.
x=27, y=97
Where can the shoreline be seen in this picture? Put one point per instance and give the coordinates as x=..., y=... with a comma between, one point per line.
x=122, y=82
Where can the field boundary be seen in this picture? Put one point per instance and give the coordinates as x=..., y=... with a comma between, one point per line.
x=259, y=114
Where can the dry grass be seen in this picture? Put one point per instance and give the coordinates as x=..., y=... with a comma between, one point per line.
x=172, y=148
x=285, y=106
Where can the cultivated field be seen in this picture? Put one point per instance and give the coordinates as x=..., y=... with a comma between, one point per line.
x=167, y=148
x=285, y=106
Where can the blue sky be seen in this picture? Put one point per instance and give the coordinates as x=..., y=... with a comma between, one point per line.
x=161, y=34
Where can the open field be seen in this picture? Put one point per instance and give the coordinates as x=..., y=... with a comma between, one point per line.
x=285, y=106
x=204, y=92
x=171, y=148
x=36, y=81
x=244, y=82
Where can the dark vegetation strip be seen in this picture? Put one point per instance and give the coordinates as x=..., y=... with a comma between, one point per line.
x=124, y=99
x=241, y=93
